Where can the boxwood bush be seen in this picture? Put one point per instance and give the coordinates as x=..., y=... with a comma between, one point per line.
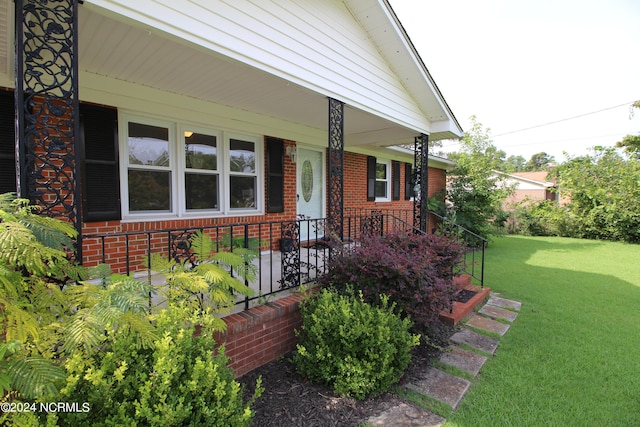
x=178, y=381
x=352, y=346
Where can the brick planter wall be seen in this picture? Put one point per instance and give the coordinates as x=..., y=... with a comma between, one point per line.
x=260, y=335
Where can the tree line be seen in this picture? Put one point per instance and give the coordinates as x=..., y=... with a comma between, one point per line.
x=599, y=191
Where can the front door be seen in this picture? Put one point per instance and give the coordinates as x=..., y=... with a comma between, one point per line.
x=310, y=192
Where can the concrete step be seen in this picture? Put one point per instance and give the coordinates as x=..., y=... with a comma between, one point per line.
x=487, y=324
x=476, y=341
x=504, y=303
x=440, y=385
x=406, y=415
x=466, y=361
x=500, y=313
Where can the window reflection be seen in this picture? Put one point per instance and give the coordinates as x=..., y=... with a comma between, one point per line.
x=242, y=192
x=148, y=145
x=201, y=151
x=149, y=190
x=242, y=156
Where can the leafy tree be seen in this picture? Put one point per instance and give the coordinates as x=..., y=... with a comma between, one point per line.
x=604, y=193
x=513, y=164
x=476, y=193
x=539, y=162
x=631, y=143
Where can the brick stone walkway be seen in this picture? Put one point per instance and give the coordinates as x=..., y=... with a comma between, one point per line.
x=468, y=351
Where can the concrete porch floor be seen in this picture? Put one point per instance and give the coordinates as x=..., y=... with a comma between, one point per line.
x=267, y=286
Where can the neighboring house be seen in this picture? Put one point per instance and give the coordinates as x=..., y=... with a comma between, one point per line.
x=529, y=186
x=152, y=116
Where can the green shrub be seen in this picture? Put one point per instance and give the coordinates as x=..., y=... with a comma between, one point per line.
x=131, y=363
x=542, y=218
x=415, y=271
x=355, y=348
x=176, y=382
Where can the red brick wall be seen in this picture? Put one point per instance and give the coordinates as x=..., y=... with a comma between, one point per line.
x=437, y=184
x=355, y=186
x=260, y=335
x=55, y=177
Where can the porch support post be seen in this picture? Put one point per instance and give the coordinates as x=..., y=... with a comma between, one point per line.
x=421, y=178
x=336, y=170
x=47, y=119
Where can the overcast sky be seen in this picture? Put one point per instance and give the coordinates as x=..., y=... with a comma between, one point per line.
x=518, y=64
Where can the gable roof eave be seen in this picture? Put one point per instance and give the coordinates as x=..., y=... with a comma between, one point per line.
x=394, y=43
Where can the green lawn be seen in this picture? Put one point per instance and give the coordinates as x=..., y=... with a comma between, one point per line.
x=572, y=357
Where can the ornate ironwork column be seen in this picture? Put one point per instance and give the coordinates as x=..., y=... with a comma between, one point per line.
x=290, y=251
x=421, y=179
x=336, y=170
x=47, y=107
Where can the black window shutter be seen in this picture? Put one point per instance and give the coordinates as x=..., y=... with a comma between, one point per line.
x=395, y=190
x=100, y=171
x=275, y=175
x=371, y=178
x=408, y=181
x=8, y=178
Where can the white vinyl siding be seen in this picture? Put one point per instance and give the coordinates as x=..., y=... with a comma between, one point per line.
x=317, y=45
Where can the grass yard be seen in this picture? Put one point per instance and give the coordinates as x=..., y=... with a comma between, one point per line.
x=572, y=357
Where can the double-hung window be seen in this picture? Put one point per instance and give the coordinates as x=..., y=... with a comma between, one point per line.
x=383, y=181
x=202, y=171
x=243, y=177
x=150, y=167
x=173, y=170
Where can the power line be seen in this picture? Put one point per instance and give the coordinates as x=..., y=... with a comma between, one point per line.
x=562, y=120
x=583, y=138
x=563, y=140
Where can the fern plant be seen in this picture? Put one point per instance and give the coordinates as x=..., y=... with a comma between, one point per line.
x=47, y=308
x=208, y=280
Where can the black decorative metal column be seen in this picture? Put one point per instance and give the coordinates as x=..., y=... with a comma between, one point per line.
x=336, y=170
x=421, y=179
x=47, y=107
x=290, y=252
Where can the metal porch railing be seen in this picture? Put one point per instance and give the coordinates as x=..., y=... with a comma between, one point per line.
x=291, y=253
x=475, y=243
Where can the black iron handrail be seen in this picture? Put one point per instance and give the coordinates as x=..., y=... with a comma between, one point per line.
x=474, y=242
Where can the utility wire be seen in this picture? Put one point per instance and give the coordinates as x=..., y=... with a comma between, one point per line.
x=562, y=120
x=583, y=138
x=563, y=140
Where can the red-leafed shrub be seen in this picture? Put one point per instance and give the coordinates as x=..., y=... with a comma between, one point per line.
x=415, y=270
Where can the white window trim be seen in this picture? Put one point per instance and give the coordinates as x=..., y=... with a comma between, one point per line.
x=178, y=168
x=387, y=164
